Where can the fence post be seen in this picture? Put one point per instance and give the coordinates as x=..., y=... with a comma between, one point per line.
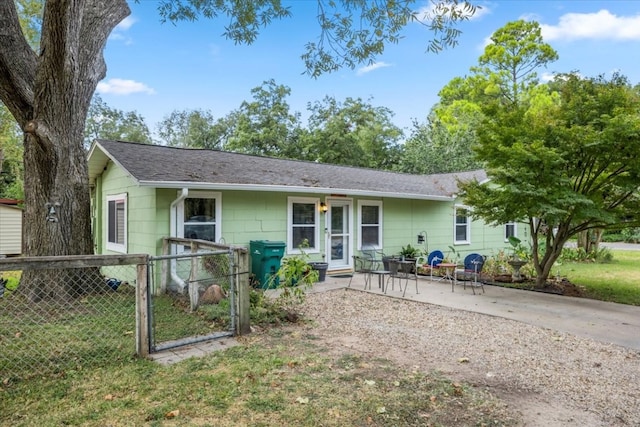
x=164, y=275
x=142, y=311
x=243, y=325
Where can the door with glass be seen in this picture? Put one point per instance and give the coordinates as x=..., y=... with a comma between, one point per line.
x=339, y=220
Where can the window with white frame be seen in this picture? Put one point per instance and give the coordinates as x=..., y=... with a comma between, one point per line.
x=370, y=224
x=117, y=223
x=303, y=224
x=199, y=216
x=510, y=230
x=462, y=231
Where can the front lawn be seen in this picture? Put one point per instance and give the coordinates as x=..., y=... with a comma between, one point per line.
x=617, y=281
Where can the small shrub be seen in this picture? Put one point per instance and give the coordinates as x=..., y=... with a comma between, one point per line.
x=602, y=255
x=631, y=235
x=612, y=237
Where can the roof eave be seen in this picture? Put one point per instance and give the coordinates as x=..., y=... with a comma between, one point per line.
x=98, y=159
x=292, y=189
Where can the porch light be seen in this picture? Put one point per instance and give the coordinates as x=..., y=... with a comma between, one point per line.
x=422, y=237
x=323, y=207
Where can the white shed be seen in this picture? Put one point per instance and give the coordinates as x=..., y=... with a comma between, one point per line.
x=10, y=230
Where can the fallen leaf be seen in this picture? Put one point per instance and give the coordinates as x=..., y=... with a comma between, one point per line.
x=18, y=334
x=381, y=410
x=369, y=382
x=302, y=400
x=108, y=397
x=433, y=398
x=457, y=389
x=172, y=414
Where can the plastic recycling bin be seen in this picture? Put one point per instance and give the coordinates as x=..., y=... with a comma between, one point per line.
x=266, y=256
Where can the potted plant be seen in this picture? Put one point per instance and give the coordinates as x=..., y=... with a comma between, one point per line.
x=409, y=252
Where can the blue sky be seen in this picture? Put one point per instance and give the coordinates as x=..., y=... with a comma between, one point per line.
x=155, y=68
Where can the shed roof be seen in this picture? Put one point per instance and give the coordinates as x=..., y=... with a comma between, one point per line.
x=170, y=167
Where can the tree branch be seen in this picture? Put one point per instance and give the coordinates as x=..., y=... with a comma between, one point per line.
x=17, y=65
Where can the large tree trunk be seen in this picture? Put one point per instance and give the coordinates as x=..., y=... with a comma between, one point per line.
x=49, y=96
x=553, y=244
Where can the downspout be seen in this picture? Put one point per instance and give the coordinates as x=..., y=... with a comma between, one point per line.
x=173, y=232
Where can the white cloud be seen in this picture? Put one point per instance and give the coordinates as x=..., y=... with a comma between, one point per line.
x=600, y=25
x=547, y=77
x=427, y=12
x=123, y=87
x=119, y=32
x=372, y=67
x=126, y=23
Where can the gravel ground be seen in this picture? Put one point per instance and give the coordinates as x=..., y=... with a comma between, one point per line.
x=550, y=378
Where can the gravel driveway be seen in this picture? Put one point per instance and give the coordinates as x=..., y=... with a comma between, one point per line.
x=551, y=378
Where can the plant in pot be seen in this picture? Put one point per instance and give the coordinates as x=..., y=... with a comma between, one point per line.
x=409, y=252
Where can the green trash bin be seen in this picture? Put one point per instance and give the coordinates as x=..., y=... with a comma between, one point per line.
x=265, y=262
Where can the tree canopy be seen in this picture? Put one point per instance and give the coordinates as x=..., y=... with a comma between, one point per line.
x=110, y=123
x=565, y=160
x=48, y=87
x=352, y=32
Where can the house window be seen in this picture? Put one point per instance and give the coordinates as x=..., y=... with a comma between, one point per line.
x=370, y=224
x=462, y=225
x=303, y=221
x=117, y=223
x=200, y=217
x=510, y=230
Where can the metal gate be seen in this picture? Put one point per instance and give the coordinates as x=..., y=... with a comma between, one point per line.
x=191, y=297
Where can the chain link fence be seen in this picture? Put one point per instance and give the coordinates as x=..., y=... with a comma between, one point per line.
x=53, y=320
x=59, y=314
x=197, y=302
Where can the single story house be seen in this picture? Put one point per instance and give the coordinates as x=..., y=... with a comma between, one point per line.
x=142, y=193
x=10, y=227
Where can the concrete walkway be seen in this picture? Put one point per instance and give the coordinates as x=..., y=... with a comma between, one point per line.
x=606, y=322
x=602, y=321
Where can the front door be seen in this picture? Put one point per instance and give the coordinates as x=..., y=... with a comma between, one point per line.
x=339, y=238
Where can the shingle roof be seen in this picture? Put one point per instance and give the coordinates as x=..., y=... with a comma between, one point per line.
x=169, y=167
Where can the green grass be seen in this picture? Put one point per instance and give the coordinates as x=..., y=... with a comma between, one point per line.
x=618, y=281
x=282, y=377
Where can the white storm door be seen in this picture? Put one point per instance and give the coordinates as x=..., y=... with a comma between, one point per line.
x=339, y=235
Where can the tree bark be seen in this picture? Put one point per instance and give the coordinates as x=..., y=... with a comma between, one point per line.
x=49, y=95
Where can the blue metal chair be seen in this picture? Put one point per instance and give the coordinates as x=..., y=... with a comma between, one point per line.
x=433, y=260
x=473, y=264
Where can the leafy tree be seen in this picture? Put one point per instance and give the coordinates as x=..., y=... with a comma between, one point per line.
x=190, y=128
x=445, y=143
x=352, y=133
x=565, y=160
x=264, y=126
x=110, y=123
x=11, y=171
x=510, y=61
x=352, y=32
x=48, y=89
x=505, y=71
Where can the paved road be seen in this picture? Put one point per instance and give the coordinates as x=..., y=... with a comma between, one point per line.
x=615, y=245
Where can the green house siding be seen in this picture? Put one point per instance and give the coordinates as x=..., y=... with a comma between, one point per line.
x=261, y=215
x=249, y=215
x=142, y=220
x=255, y=215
